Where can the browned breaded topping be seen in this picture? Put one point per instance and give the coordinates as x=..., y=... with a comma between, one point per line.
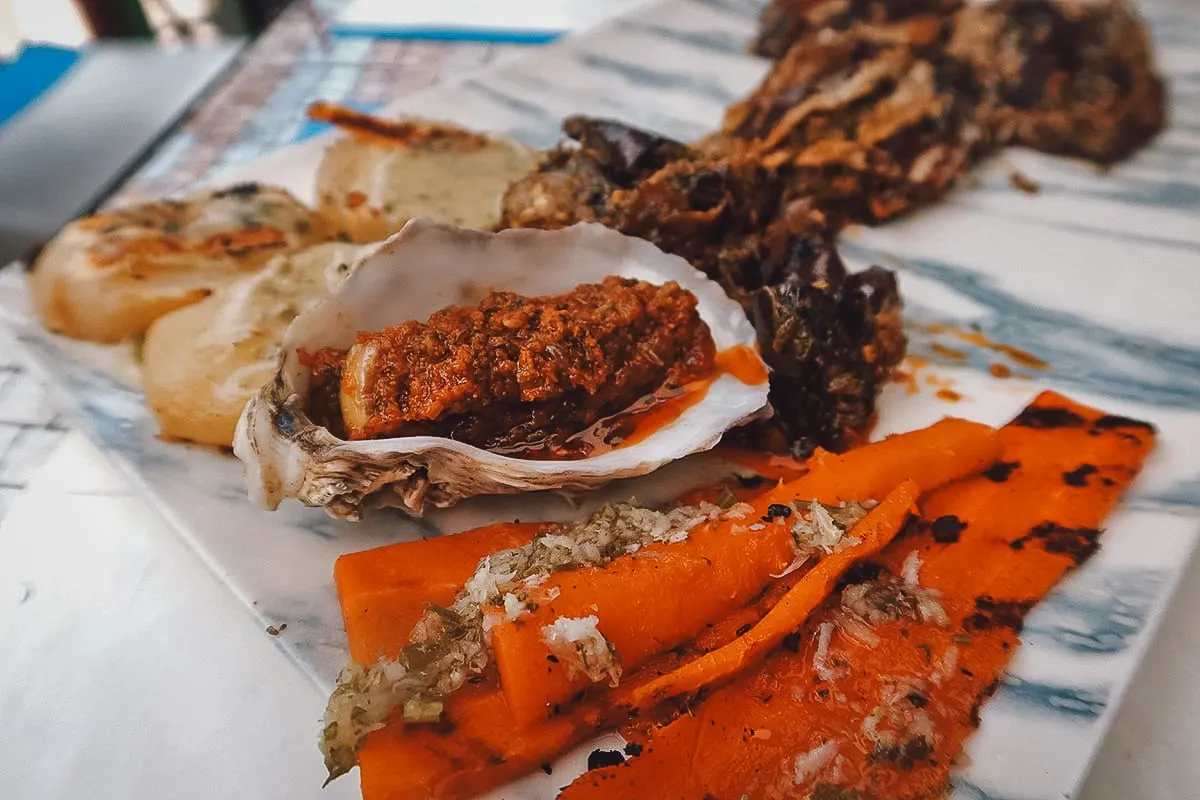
x=518, y=372
x=869, y=123
x=1067, y=77
x=783, y=22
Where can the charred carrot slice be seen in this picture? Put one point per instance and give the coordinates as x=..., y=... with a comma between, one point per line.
x=479, y=747
x=835, y=713
x=474, y=750
x=933, y=456
x=875, y=531
x=383, y=592
x=641, y=604
x=645, y=603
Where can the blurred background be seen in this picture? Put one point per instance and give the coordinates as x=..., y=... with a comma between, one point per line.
x=73, y=22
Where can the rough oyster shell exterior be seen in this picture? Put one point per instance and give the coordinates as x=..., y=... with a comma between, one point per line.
x=428, y=266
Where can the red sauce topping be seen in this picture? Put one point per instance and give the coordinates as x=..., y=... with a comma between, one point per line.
x=653, y=412
x=559, y=378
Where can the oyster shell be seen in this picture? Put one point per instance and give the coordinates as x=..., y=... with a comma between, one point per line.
x=287, y=455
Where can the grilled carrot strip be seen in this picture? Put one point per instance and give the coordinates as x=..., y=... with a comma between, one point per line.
x=475, y=749
x=641, y=600
x=886, y=718
x=384, y=591
x=479, y=747
x=875, y=531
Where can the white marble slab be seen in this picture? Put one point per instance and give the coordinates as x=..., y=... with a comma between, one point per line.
x=1096, y=276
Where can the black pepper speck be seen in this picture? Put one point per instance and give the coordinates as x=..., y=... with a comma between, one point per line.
x=777, y=510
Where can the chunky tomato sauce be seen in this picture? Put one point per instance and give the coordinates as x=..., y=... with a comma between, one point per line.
x=563, y=377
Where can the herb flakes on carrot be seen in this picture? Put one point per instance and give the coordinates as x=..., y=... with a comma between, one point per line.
x=886, y=718
x=878, y=528
x=482, y=751
x=663, y=595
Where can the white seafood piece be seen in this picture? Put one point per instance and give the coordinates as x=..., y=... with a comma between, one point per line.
x=287, y=455
x=370, y=186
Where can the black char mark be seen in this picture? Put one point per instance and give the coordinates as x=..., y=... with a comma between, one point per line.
x=993, y=613
x=240, y=190
x=1043, y=417
x=862, y=572
x=946, y=529
x=598, y=759
x=1079, y=475
x=984, y=696
x=1076, y=543
x=1111, y=422
x=1001, y=471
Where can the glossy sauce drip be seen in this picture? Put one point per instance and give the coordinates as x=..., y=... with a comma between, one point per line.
x=743, y=363
x=649, y=414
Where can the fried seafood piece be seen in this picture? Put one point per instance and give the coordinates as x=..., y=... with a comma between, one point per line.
x=831, y=338
x=784, y=22
x=518, y=373
x=1067, y=77
x=688, y=201
x=702, y=208
x=869, y=123
x=108, y=276
x=384, y=172
x=575, y=181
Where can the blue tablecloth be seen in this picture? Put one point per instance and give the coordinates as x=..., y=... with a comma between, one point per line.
x=35, y=69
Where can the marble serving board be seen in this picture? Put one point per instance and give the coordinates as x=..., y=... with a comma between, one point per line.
x=1093, y=281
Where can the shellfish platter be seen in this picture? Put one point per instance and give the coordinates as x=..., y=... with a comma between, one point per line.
x=787, y=370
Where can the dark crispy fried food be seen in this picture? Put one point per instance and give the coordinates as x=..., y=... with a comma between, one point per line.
x=517, y=373
x=784, y=22
x=575, y=183
x=876, y=108
x=626, y=154
x=831, y=339
x=872, y=119
x=689, y=202
x=869, y=123
x=702, y=208
x=1075, y=78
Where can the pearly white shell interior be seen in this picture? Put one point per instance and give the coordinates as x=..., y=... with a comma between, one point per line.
x=428, y=266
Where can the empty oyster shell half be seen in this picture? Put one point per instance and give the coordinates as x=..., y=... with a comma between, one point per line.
x=428, y=266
